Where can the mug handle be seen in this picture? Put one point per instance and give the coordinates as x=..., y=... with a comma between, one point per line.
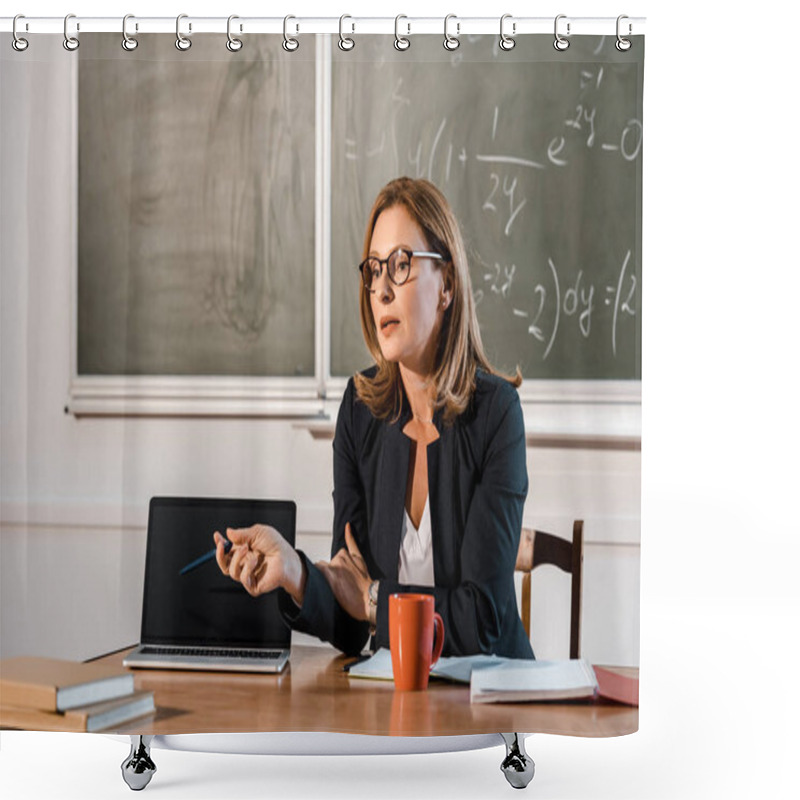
x=438, y=637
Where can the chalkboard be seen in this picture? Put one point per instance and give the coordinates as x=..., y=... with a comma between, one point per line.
x=540, y=154
x=199, y=187
x=196, y=208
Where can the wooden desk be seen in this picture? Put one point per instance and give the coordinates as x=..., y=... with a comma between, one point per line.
x=314, y=694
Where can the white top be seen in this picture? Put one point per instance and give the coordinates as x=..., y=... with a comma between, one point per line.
x=416, y=550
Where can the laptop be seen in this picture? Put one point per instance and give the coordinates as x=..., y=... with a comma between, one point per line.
x=202, y=619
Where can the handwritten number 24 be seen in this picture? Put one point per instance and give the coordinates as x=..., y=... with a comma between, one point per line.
x=508, y=191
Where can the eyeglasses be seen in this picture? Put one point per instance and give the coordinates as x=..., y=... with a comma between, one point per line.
x=398, y=266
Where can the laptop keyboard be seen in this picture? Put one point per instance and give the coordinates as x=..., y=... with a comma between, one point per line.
x=264, y=655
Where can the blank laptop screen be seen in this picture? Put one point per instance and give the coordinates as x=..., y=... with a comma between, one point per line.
x=205, y=607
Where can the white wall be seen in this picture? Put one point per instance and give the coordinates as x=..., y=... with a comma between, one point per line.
x=73, y=553
x=74, y=491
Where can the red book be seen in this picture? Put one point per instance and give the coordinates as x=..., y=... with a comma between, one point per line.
x=620, y=688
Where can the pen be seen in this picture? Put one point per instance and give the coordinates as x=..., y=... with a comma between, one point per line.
x=206, y=557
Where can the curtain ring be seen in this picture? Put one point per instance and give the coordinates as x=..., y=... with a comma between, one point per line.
x=451, y=42
x=70, y=42
x=400, y=42
x=507, y=42
x=18, y=43
x=346, y=43
x=623, y=44
x=128, y=42
x=290, y=43
x=181, y=42
x=560, y=42
x=233, y=44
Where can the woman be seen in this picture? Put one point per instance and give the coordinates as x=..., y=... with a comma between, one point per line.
x=429, y=457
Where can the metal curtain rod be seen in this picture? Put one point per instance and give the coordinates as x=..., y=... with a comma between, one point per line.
x=457, y=26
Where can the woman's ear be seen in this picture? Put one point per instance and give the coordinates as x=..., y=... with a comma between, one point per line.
x=447, y=286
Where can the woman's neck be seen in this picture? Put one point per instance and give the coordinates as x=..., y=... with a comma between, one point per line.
x=421, y=393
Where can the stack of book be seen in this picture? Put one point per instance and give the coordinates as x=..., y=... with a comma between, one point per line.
x=493, y=679
x=48, y=694
x=516, y=681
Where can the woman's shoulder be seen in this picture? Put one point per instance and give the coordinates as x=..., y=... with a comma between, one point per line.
x=351, y=392
x=355, y=410
x=488, y=381
x=368, y=373
x=494, y=405
x=493, y=392
x=497, y=421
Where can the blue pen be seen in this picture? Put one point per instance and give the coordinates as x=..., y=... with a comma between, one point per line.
x=211, y=554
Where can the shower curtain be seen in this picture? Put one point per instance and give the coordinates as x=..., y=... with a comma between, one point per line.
x=181, y=231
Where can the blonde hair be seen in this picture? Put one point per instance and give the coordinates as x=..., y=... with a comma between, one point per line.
x=460, y=350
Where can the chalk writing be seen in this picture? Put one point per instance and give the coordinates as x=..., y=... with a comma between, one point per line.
x=624, y=307
x=501, y=279
x=634, y=129
x=588, y=77
x=508, y=190
x=582, y=116
x=538, y=175
x=572, y=300
x=553, y=303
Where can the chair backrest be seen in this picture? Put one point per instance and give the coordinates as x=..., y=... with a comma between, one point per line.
x=537, y=548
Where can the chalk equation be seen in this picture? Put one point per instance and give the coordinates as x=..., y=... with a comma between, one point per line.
x=439, y=156
x=541, y=162
x=556, y=302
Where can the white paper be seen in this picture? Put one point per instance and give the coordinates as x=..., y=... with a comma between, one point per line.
x=454, y=668
x=535, y=676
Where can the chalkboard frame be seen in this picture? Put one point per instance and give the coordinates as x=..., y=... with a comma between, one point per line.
x=310, y=397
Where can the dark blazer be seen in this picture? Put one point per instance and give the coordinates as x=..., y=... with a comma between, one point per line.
x=477, y=482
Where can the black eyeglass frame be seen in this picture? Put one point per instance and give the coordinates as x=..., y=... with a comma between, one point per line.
x=410, y=253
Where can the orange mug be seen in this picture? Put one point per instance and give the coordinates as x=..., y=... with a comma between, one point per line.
x=412, y=621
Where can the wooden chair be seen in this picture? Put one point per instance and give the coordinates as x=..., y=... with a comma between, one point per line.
x=537, y=548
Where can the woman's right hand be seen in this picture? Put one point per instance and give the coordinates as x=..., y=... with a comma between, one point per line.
x=261, y=560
